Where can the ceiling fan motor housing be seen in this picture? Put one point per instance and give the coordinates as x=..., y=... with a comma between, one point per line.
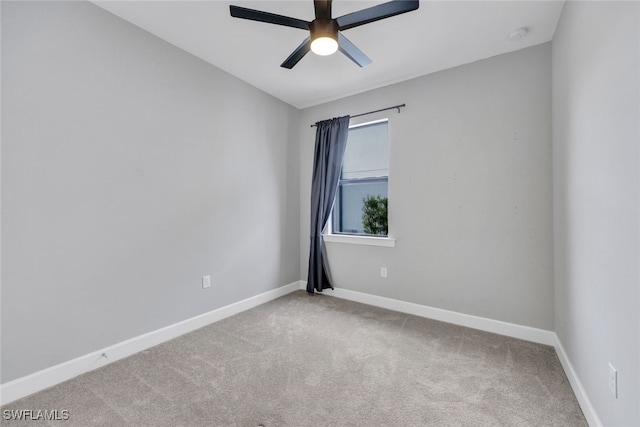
x=323, y=27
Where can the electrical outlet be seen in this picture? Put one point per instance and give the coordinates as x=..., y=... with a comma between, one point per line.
x=613, y=380
x=383, y=272
x=206, y=282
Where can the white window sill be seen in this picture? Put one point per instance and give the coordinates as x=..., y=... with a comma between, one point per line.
x=360, y=240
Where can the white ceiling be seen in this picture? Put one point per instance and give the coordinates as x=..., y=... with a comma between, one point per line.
x=437, y=36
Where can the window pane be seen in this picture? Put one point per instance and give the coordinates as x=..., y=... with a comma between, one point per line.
x=348, y=212
x=365, y=172
x=367, y=152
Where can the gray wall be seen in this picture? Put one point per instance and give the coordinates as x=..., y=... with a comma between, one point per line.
x=129, y=170
x=596, y=138
x=469, y=191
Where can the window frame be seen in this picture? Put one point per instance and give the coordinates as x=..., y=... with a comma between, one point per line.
x=359, y=238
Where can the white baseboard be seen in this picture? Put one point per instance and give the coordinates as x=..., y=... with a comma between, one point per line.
x=527, y=333
x=585, y=404
x=53, y=375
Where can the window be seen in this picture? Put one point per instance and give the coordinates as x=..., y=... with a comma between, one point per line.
x=364, y=179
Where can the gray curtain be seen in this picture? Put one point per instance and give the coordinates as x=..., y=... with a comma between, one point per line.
x=331, y=140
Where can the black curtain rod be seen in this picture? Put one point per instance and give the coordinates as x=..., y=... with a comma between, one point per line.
x=377, y=111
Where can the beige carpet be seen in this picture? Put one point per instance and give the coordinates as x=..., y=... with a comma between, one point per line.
x=321, y=361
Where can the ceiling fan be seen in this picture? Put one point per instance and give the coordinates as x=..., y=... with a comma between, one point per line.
x=326, y=32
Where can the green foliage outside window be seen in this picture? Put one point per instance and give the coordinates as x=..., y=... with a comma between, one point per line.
x=374, y=215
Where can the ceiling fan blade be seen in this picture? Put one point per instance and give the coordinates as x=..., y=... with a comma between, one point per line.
x=352, y=52
x=297, y=54
x=375, y=13
x=322, y=8
x=270, y=18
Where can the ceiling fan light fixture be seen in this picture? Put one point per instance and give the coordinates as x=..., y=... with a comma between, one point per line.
x=324, y=46
x=324, y=36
